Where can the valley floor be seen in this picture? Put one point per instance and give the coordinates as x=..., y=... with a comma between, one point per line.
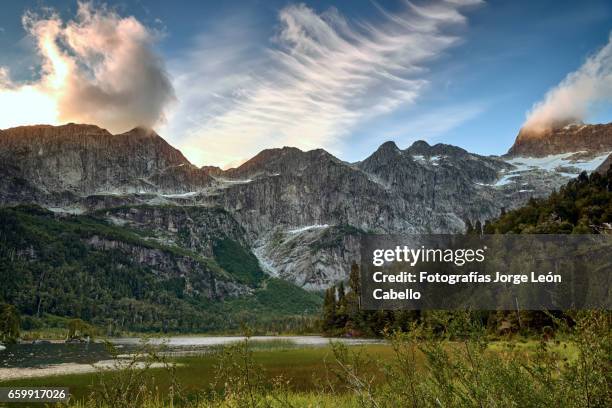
x=312, y=375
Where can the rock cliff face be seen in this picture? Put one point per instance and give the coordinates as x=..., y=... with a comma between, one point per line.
x=193, y=228
x=313, y=257
x=85, y=160
x=605, y=166
x=200, y=279
x=444, y=182
x=593, y=139
x=291, y=188
x=298, y=211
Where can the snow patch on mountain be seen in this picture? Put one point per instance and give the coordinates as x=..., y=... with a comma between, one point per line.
x=307, y=228
x=555, y=161
x=182, y=195
x=67, y=210
x=433, y=160
x=565, y=165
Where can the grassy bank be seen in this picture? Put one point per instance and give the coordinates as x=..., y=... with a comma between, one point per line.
x=459, y=366
x=309, y=374
x=301, y=366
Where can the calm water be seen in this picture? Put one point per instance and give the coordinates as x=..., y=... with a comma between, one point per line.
x=36, y=355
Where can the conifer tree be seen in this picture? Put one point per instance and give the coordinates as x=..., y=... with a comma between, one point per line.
x=329, y=310
x=10, y=323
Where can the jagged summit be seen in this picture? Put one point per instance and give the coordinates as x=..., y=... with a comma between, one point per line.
x=279, y=160
x=594, y=139
x=422, y=148
x=86, y=159
x=49, y=131
x=385, y=153
x=419, y=147
x=389, y=146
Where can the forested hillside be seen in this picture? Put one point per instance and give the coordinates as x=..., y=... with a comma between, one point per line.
x=583, y=206
x=121, y=278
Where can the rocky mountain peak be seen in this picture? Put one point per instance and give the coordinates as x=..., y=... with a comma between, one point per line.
x=387, y=152
x=64, y=132
x=388, y=146
x=593, y=139
x=85, y=159
x=277, y=161
x=422, y=148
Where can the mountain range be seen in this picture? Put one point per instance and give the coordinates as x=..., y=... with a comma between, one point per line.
x=300, y=213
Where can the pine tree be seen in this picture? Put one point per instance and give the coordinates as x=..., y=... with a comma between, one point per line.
x=341, y=293
x=354, y=281
x=341, y=308
x=10, y=323
x=478, y=228
x=329, y=310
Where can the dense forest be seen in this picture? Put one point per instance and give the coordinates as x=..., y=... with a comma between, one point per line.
x=583, y=206
x=50, y=272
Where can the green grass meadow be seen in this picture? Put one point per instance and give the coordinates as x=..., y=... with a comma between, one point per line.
x=305, y=370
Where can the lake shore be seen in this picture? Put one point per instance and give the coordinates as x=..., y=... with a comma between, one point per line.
x=53, y=358
x=20, y=373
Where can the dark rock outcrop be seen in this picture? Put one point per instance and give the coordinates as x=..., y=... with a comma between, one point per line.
x=594, y=139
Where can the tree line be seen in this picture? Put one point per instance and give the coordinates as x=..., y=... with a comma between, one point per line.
x=583, y=206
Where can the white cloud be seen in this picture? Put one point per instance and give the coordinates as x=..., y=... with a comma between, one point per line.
x=321, y=76
x=99, y=68
x=572, y=100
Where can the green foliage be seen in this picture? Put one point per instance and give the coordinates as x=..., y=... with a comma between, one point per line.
x=239, y=262
x=583, y=206
x=329, y=311
x=49, y=267
x=130, y=383
x=283, y=296
x=10, y=323
x=77, y=329
x=421, y=369
x=342, y=314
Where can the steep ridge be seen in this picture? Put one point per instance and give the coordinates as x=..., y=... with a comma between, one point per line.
x=592, y=139
x=85, y=160
x=291, y=188
x=442, y=178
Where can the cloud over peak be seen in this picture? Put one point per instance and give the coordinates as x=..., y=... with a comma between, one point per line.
x=99, y=68
x=572, y=99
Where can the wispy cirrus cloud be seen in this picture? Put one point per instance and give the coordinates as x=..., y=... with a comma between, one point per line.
x=320, y=76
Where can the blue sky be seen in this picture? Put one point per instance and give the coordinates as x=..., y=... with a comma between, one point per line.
x=345, y=76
